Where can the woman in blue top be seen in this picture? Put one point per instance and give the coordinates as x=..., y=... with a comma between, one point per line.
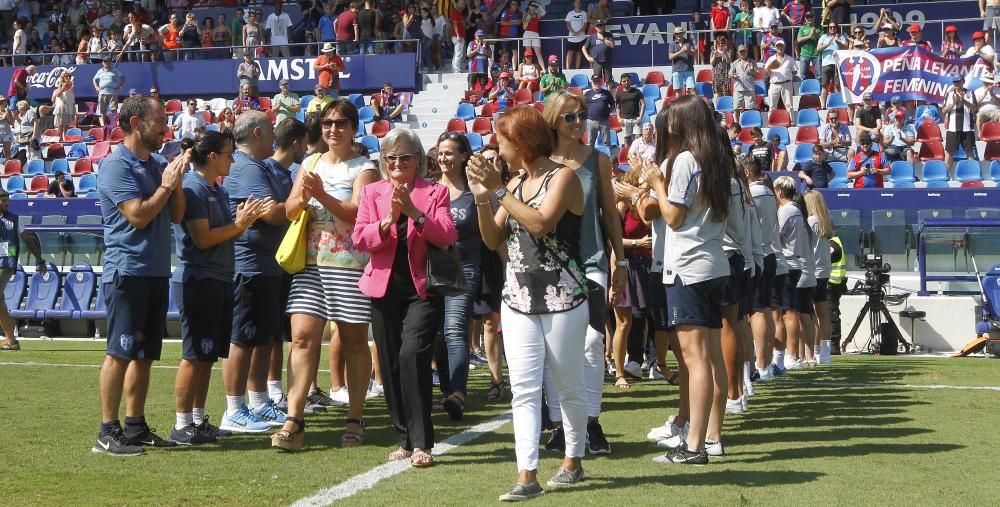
x=205, y=277
x=697, y=190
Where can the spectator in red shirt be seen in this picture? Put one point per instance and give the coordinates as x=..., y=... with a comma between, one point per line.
x=868, y=167
x=457, y=20
x=720, y=16
x=794, y=13
x=328, y=66
x=19, y=84
x=917, y=38
x=346, y=27
x=510, y=28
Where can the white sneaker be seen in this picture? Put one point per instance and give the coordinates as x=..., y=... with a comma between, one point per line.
x=611, y=368
x=340, y=397
x=654, y=373
x=673, y=442
x=633, y=368
x=746, y=403
x=669, y=429
x=735, y=406
x=374, y=390
x=748, y=390
x=714, y=448
x=765, y=375
x=793, y=364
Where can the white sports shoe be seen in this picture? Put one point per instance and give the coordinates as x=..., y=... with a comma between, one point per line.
x=654, y=373
x=714, y=448
x=746, y=403
x=748, y=390
x=793, y=364
x=374, y=390
x=765, y=375
x=633, y=368
x=673, y=442
x=735, y=406
x=666, y=431
x=340, y=397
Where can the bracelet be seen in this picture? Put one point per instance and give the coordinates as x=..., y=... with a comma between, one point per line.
x=633, y=243
x=482, y=203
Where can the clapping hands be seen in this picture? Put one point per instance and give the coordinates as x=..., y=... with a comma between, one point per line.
x=247, y=212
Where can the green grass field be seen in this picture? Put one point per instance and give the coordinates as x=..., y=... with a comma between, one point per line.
x=805, y=441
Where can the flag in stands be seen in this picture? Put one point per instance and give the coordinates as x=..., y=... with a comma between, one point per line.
x=909, y=72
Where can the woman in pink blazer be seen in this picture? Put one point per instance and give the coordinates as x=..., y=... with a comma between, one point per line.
x=397, y=217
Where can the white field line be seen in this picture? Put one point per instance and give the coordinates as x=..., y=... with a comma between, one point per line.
x=369, y=479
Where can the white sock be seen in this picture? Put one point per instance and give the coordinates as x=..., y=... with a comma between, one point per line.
x=747, y=368
x=779, y=357
x=233, y=403
x=258, y=399
x=274, y=389
x=199, y=415
x=183, y=420
x=762, y=371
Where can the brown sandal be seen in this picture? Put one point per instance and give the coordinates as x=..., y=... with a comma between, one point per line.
x=399, y=454
x=421, y=459
x=622, y=383
x=290, y=440
x=353, y=438
x=496, y=391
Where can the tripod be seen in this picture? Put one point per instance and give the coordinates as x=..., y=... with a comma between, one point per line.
x=875, y=309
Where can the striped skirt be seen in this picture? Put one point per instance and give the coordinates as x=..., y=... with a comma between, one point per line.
x=330, y=293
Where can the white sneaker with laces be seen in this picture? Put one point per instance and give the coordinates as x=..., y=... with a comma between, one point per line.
x=674, y=441
x=765, y=375
x=746, y=403
x=715, y=448
x=633, y=368
x=340, y=397
x=793, y=364
x=374, y=390
x=666, y=431
x=734, y=406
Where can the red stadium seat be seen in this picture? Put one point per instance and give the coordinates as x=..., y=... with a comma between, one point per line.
x=809, y=135
x=540, y=106
x=82, y=166
x=844, y=116
x=928, y=131
x=991, y=131
x=934, y=150
x=482, y=126
x=972, y=184
x=380, y=128
x=207, y=115
x=168, y=135
x=39, y=184
x=174, y=106
x=523, y=96
x=54, y=151
x=12, y=167
x=487, y=110
x=97, y=133
x=730, y=117
x=655, y=77
x=745, y=135
x=265, y=104
x=704, y=76
x=779, y=118
x=101, y=149
x=992, y=150
x=456, y=125
x=117, y=135
x=615, y=124
x=576, y=90
x=809, y=102
x=51, y=133
x=671, y=92
x=623, y=155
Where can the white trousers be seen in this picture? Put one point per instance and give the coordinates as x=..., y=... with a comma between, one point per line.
x=593, y=366
x=456, y=59
x=535, y=344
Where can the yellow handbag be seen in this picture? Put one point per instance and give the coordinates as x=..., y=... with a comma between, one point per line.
x=291, y=254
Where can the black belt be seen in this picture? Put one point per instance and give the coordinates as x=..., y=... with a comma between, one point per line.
x=782, y=82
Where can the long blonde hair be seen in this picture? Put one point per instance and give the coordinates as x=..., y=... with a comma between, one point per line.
x=554, y=104
x=816, y=207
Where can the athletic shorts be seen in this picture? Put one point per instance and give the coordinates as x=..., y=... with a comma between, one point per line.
x=828, y=74
x=575, y=46
x=804, y=300
x=789, y=293
x=257, y=310
x=751, y=278
x=762, y=298
x=682, y=80
x=137, y=316
x=733, y=293
x=777, y=289
x=532, y=40
x=658, y=301
x=966, y=139
x=206, y=308
x=697, y=304
x=822, y=293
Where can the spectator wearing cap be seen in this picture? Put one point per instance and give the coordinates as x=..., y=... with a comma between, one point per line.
x=867, y=168
x=553, y=80
x=531, y=38
x=681, y=54
x=528, y=72
x=479, y=53
x=502, y=94
x=887, y=34
x=830, y=42
x=959, y=111
x=951, y=46
x=510, y=28
x=600, y=103
x=769, y=42
x=780, y=71
x=816, y=172
x=916, y=38
x=743, y=72
x=896, y=104
x=598, y=51
x=285, y=104
x=779, y=154
x=868, y=118
x=61, y=187
x=576, y=28
x=981, y=48
x=317, y=104
x=109, y=82
x=328, y=66
x=898, y=138
x=835, y=138
x=808, y=55
x=630, y=107
x=989, y=10
x=988, y=98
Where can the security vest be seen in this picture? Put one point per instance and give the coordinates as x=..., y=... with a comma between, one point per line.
x=838, y=269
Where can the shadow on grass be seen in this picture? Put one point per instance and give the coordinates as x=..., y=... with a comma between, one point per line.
x=713, y=478
x=847, y=451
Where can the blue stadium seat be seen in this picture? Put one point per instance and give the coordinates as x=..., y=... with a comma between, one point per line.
x=938, y=184
x=20, y=195
x=15, y=183
x=995, y=171
x=212, y=127
x=704, y=90
x=751, y=118
x=77, y=293
x=651, y=93
x=357, y=99
x=840, y=184
x=759, y=88
x=301, y=115
x=88, y=183
x=305, y=100
x=59, y=164
x=77, y=151
x=891, y=233
x=847, y=224
x=42, y=294
x=935, y=170
x=475, y=141
x=928, y=111
x=903, y=184
x=366, y=114
x=809, y=87
x=968, y=170
x=835, y=101
x=465, y=112
x=371, y=143
x=13, y=294
x=580, y=81
x=724, y=104
x=782, y=133
x=635, y=78
x=35, y=166
x=807, y=118
x=100, y=310
x=901, y=171
x=839, y=170
x=803, y=153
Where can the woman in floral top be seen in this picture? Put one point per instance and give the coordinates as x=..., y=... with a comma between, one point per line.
x=544, y=314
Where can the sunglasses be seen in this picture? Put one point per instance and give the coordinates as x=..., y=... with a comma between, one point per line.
x=340, y=123
x=578, y=116
x=452, y=136
x=405, y=158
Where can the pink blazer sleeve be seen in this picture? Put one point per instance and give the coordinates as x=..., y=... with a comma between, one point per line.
x=439, y=229
x=367, y=234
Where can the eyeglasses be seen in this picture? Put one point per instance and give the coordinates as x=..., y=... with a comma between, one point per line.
x=339, y=123
x=405, y=158
x=578, y=116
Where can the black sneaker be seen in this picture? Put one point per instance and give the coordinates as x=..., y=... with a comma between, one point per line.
x=191, y=435
x=208, y=428
x=681, y=455
x=755, y=376
x=319, y=399
x=597, y=443
x=148, y=437
x=115, y=444
x=557, y=442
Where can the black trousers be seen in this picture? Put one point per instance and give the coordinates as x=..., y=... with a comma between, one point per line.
x=836, y=290
x=404, y=327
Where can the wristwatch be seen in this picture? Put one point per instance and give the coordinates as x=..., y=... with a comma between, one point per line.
x=420, y=221
x=500, y=193
x=622, y=263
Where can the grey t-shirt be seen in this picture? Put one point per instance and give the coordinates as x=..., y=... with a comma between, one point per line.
x=683, y=62
x=736, y=240
x=660, y=232
x=821, y=249
x=791, y=226
x=694, y=250
x=767, y=209
x=756, y=237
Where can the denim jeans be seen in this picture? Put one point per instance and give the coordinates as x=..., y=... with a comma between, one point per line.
x=453, y=354
x=366, y=47
x=804, y=71
x=598, y=129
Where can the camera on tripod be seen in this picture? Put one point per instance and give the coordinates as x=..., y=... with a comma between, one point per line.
x=876, y=272
x=885, y=336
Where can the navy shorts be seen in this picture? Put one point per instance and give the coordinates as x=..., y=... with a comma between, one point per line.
x=804, y=300
x=698, y=304
x=257, y=310
x=137, y=316
x=765, y=283
x=206, y=307
x=821, y=294
x=751, y=278
x=658, y=301
x=734, y=283
x=789, y=293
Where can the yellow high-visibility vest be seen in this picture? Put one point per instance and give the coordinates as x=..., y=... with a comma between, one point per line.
x=838, y=270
